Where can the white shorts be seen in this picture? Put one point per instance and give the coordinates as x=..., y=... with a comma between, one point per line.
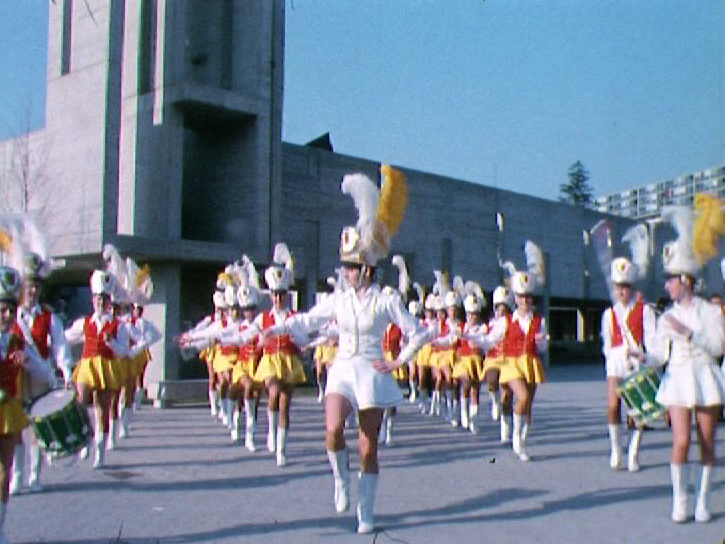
x=357, y=380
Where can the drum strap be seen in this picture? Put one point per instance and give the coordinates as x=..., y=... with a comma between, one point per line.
x=627, y=335
x=23, y=326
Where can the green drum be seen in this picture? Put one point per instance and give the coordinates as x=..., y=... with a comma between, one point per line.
x=60, y=424
x=638, y=391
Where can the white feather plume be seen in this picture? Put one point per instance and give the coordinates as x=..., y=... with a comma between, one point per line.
x=419, y=289
x=251, y=271
x=13, y=250
x=473, y=288
x=535, y=261
x=459, y=286
x=403, y=278
x=439, y=287
x=509, y=267
x=283, y=257
x=682, y=218
x=115, y=264
x=365, y=194
x=638, y=239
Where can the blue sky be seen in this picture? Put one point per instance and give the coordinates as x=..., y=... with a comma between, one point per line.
x=502, y=92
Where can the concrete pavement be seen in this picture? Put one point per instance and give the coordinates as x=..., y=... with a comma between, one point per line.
x=178, y=479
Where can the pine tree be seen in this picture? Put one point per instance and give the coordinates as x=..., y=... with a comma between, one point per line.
x=577, y=191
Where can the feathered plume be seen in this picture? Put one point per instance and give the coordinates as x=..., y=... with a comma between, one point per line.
x=419, y=289
x=365, y=195
x=601, y=237
x=139, y=285
x=393, y=199
x=682, y=219
x=473, y=288
x=535, y=261
x=440, y=287
x=115, y=263
x=403, y=278
x=12, y=252
x=509, y=267
x=638, y=239
x=459, y=286
x=709, y=226
x=283, y=257
x=251, y=271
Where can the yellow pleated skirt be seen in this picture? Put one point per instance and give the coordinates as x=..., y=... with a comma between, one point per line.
x=325, y=355
x=100, y=373
x=523, y=367
x=139, y=362
x=223, y=362
x=400, y=374
x=422, y=358
x=12, y=416
x=443, y=359
x=470, y=366
x=244, y=369
x=286, y=368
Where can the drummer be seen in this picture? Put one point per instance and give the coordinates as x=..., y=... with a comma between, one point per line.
x=628, y=330
x=16, y=364
x=42, y=332
x=97, y=375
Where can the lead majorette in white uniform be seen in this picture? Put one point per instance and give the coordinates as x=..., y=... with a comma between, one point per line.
x=628, y=329
x=360, y=377
x=690, y=340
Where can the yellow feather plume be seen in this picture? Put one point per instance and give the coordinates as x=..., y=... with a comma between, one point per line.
x=709, y=226
x=142, y=275
x=393, y=199
x=6, y=241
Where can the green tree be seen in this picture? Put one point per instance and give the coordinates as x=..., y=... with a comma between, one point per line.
x=577, y=191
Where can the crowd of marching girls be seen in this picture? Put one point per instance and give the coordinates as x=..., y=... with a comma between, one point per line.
x=369, y=344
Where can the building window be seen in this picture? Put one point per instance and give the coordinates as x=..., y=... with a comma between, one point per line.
x=147, y=46
x=65, y=38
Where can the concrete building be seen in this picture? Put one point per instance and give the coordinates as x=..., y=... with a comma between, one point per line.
x=647, y=202
x=163, y=135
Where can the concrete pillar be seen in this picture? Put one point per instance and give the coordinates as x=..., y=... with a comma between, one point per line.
x=164, y=311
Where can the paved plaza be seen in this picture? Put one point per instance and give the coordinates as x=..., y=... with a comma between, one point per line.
x=178, y=479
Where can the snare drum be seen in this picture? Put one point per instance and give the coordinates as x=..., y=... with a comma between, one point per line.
x=60, y=424
x=638, y=391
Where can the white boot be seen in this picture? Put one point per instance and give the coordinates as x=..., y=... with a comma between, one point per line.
x=281, y=447
x=100, y=443
x=18, y=479
x=434, y=399
x=251, y=423
x=367, y=485
x=450, y=410
x=413, y=387
x=339, y=461
x=423, y=401
x=465, y=421
x=702, y=507
x=125, y=423
x=389, y=427
x=226, y=414
x=518, y=441
x=320, y=392
x=383, y=425
x=505, y=429
x=679, y=475
x=213, y=399
x=236, y=424
x=633, y=450
x=272, y=420
x=615, y=458
x=138, y=399
x=112, y=430
x=472, y=419
x=495, y=405
x=36, y=463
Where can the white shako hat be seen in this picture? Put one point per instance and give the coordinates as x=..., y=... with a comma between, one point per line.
x=623, y=272
x=502, y=295
x=678, y=256
x=248, y=293
x=380, y=213
x=452, y=299
x=526, y=283
x=430, y=302
x=280, y=274
x=102, y=283
x=475, y=299
x=472, y=304
x=414, y=307
x=219, y=300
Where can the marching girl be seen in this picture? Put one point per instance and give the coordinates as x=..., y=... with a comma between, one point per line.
x=444, y=346
x=360, y=376
x=43, y=334
x=469, y=358
x=98, y=375
x=426, y=378
x=500, y=408
x=206, y=354
x=628, y=329
x=16, y=365
x=325, y=350
x=526, y=339
x=689, y=339
x=415, y=307
x=392, y=340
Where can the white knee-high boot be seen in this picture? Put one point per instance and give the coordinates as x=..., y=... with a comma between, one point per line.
x=339, y=461
x=702, y=507
x=17, y=481
x=615, y=457
x=434, y=400
x=465, y=421
x=213, y=400
x=100, y=441
x=272, y=421
x=472, y=419
x=112, y=430
x=367, y=486
x=390, y=416
x=36, y=463
x=125, y=422
x=383, y=425
x=251, y=423
x=679, y=474
x=236, y=423
x=495, y=405
x=633, y=450
x=413, y=387
x=281, y=447
x=505, y=429
x=519, y=442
